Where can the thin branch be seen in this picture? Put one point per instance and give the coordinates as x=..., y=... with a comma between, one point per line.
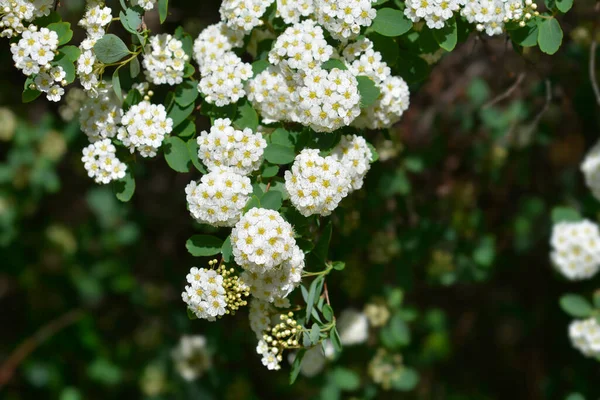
x=507, y=93
x=326, y=293
x=592, y=70
x=7, y=369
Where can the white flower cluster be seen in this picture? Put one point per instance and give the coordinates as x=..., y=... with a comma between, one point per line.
x=144, y=128
x=302, y=46
x=353, y=327
x=33, y=55
x=100, y=116
x=576, y=249
x=240, y=150
x=277, y=283
x=344, y=18
x=591, y=170
x=292, y=10
x=101, y=163
x=262, y=240
x=270, y=358
x=145, y=4
x=94, y=21
x=316, y=184
x=434, y=12
x=260, y=316
x=219, y=198
x=328, y=100
x=243, y=15
x=15, y=12
x=585, y=336
x=491, y=15
x=355, y=156
x=271, y=93
x=214, y=42
x=205, y=294
x=393, y=100
x=362, y=59
x=223, y=80
x=164, y=60
x=191, y=357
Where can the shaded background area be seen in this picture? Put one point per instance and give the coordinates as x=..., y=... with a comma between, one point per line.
x=456, y=215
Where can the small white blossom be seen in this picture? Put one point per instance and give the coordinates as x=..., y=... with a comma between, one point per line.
x=585, y=336
x=191, y=357
x=576, y=249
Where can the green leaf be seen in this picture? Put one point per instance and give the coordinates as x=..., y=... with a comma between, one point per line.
x=28, y=94
x=322, y=247
x=447, y=37
x=176, y=154
x=252, y=203
x=278, y=154
x=186, y=93
x=338, y=265
x=179, y=113
x=191, y=315
x=259, y=66
x=134, y=67
x=406, y=381
x=271, y=200
x=315, y=334
x=192, y=146
x=296, y=365
x=125, y=187
x=204, y=245
x=63, y=30
x=564, y=5
x=188, y=70
x=333, y=63
x=395, y=334
x=163, y=6
x=597, y=299
x=565, y=214
x=550, y=36
x=312, y=296
x=68, y=67
x=390, y=22
x=110, y=49
x=185, y=130
x=374, y=152
x=369, y=92
x=526, y=36
x=227, y=250
x=576, y=306
x=72, y=53
x=387, y=46
x=247, y=117
x=336, y=341
x=133, y=98
x=345, y=379
x=131, y=19
x=328, y=312
x=269, y=171
x=116, y=83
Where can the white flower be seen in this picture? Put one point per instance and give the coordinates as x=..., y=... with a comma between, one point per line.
x=101, y=163
x=225, y=146
x=55, y=93
x=223, y=80
x=219, y=198
x=191, y=357
x=366, y=62
x=164, y=60
x=279, y=282
x=292, y=10
x=16, y=12
x=487, y=15
x=272, y=94
x=591, y=170
x=434, y=12
x=35, y=50
x=585, y=336
x=100, y=116
x=355, y=155
x=344, y=18
x=262, y=240
x=144, y=128
x=353, y=327
x=576, y=249
x=259, y=316
x=145, y=4
x=243, y=15
x=214, y=42
x=95, y=19
x=316, y=184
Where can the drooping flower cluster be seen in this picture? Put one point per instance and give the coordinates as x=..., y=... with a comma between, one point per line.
x=144, y=128
x=101, y=162
x=316, y=184
x=14, y=13
x=100, y=116
x=191, y=357
x=223, y=80
x=292, y=10
x=301, y=46
x=355, y=156
x=145, y=4
x=277, y=283
x=164, y=60
x=240, y=150
x=275, y=340
x=585, y=336
x=219, y=198
x=262, y=240
x=576, y=249
x=344, y=18
x=214, y=293
x=214, y=42
x=243, y=15
x=591, y=170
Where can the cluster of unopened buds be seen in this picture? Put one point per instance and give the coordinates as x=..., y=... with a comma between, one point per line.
x=277, y=339
x=521, y=13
